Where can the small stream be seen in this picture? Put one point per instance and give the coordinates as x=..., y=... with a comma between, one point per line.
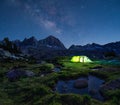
x=92, y=89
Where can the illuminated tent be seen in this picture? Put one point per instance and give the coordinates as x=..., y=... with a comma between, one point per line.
x=80, y=59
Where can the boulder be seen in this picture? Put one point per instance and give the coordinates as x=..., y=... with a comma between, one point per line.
x=16, y=73
x=81, y=83
x=93, y=91
x=115, y=84
x=96, y=68
x=29, y=73
x=4, y=53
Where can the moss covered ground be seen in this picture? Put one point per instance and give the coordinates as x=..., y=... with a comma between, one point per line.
x=38, y=90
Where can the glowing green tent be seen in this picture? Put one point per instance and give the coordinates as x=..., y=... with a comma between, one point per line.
x=80, y=59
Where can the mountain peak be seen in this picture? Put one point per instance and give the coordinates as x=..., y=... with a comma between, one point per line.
x=51, y=37
x=30, y=41
x=32, y=38
x=52, y=42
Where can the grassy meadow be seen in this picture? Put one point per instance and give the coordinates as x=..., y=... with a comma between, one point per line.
x=39, y=90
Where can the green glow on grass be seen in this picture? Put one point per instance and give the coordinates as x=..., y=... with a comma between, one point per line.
x=80, y=59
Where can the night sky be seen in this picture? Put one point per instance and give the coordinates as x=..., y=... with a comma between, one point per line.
x=72, y=21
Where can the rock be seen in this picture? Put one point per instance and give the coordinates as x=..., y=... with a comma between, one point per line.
x=93, y=91
x=29, y=73
x=42, y=75
x=56, y=69
x=96, y=68
x=17, y=73
x=81, y=83
x=115, y=84
x=4, y=53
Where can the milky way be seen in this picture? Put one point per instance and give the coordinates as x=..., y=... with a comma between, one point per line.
x=73, y=21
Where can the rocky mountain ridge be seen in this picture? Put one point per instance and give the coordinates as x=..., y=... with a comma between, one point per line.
x=49, y=43
x=52, y=47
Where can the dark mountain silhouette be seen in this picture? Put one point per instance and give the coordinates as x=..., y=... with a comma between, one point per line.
x=45, y=48
x=52, y=42
x=52, y=47
x=32, y=41
x=95, y=50
x=92, y=46
x=30, y=45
